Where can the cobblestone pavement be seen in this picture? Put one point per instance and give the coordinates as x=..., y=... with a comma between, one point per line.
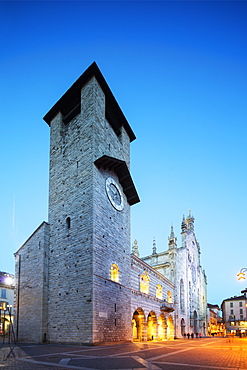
x=194, y=354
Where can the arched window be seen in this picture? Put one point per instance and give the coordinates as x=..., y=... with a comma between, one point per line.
x=159, y=291
x=144, y=282
x=182, y=295
x=169, y=296
x=114, y=272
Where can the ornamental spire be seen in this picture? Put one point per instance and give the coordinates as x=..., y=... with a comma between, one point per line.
x=154, y=246
x=135, y=249
x=183, y=225
x=190, y=221
x=172, y=233
x=172, y=240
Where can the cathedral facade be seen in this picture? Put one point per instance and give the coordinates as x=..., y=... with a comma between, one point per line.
x=77, y=280
x=181, y=265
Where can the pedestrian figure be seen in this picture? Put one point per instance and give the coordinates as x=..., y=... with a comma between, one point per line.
x=188, y=335
x=200, y=335
x=196, y=335
x=192, y=335
x=184, y=335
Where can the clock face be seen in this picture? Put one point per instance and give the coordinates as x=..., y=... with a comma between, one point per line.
x=114, y=194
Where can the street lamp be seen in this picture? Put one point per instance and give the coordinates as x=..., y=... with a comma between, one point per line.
x=241, y=274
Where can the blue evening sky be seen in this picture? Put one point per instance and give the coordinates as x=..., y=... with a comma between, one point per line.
x=178, y=71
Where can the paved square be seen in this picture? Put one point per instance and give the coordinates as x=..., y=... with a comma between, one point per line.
x=196, y=354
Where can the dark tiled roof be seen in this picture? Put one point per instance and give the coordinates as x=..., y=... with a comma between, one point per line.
x=235, y=298
x=124, y=176
x=70, y=101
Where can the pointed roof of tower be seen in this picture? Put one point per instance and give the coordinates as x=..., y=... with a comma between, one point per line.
x=72, y=98
x=172, y=235
x=172, y=240
x=183, y=225
x=190, y=221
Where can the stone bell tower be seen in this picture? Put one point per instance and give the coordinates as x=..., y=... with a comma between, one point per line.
x=90, y=194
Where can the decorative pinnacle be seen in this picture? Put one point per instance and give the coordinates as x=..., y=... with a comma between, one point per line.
x=172, y=240
x=172, y=233
x=135, y=250
x=190, y=221
x=183, y=225
x=154, y=246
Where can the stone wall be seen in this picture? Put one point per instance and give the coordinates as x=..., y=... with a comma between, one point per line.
x=31, y=287
x=111, y=240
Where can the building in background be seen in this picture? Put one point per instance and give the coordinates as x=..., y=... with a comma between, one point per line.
x=7, y=285
x=182, y=266
x=215, y=324
x=235, y=314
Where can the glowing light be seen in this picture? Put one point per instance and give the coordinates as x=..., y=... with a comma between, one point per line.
x=241, y=274
x=8, y=280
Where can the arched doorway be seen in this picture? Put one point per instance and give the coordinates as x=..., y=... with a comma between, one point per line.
x=195, y=322
x=151, y=326
x=138, y=320
x=182, y=327
x=161, y=327
x=170, y=328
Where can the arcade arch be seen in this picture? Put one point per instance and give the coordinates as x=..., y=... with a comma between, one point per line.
x=162, y=326
x=138, y=323
x=151, y=326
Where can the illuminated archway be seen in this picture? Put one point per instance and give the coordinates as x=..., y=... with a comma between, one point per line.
x=161, y=327
x=151, y=326
x=138, y=320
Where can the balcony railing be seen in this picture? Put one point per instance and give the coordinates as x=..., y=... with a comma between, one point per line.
x=167, y=306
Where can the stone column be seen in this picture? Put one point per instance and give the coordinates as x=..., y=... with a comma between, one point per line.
x=144, y=331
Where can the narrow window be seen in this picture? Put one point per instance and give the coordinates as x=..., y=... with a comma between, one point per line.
x=144, y=282
x=4, y=295
x=169, y=296
x=114, y=273
x=240, y=304
x=68, y=222
x=159, y=291
x=182, y=305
